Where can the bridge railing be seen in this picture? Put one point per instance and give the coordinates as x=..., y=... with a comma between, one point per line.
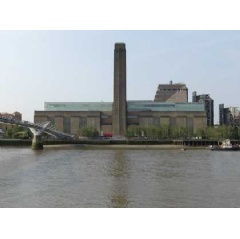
x=45, y=127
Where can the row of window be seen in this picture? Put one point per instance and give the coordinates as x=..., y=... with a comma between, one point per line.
x=171, y=90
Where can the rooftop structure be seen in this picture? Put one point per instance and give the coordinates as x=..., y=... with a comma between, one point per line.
x=177, y=92
x=78, y=106
x=138, y=105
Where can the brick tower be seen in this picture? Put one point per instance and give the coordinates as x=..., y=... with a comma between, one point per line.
x=119, y=114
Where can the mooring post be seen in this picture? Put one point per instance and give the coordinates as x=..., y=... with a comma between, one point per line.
x=37, y=143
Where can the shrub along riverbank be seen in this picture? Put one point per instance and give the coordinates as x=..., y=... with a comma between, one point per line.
x=19, y=142
x=195, y=142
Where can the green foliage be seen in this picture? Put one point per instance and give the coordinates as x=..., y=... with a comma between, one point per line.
x=175, y=132
x=89, y=132
x=132, y=131
x=222, y=132
x=21, y=135
x=16, y=132
x=152, y=132
x=200, y=133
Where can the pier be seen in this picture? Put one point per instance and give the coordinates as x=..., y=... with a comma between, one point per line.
x=201, y=142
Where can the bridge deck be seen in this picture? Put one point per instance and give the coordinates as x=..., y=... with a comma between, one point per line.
x=38, y=128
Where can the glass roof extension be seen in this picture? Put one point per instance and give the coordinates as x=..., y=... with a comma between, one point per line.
x=78, y=106
x=131, y=106
x=164, y=106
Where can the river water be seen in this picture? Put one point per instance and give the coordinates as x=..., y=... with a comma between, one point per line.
x=76, y=177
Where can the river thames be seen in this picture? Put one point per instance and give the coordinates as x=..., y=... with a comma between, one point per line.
x=75, y=177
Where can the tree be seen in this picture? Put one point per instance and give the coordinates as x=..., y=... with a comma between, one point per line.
x=159, y=133
x=16, y=131
x=210, y=133
x=165, y=131
x=175, y=132
x=200, y=133
x=183, y=132
x=89, y=132
x=133, y=131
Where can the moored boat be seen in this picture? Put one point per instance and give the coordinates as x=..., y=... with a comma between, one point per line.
x=225, y=146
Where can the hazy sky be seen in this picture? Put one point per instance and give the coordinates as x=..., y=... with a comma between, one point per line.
x=77, y=66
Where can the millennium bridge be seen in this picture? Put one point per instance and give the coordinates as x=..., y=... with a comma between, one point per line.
x=38, y=129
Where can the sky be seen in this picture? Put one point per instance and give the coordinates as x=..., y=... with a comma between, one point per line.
x=77, y=66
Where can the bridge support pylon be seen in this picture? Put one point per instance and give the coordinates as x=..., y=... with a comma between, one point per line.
x=37, y=143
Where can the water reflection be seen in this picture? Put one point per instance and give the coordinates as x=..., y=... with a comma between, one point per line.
x=69, y=177
x=120, y=175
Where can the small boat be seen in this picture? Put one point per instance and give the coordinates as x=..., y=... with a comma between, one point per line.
x=225, y=146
